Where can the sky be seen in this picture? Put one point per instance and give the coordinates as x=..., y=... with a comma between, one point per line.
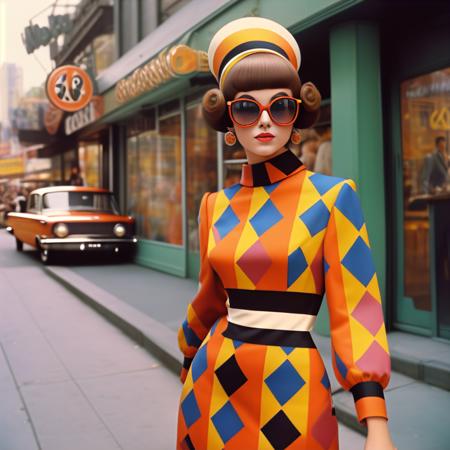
x=14, y=17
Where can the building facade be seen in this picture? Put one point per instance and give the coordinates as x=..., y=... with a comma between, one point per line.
x=384, y=74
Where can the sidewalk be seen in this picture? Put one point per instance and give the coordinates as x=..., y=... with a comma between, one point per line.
x=149, y=306
x=69, y=380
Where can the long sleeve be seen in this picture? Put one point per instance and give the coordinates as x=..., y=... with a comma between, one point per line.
x=360, y=350
x=209, y=302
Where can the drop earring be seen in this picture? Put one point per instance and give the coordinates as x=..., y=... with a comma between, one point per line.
x=295, y=136
x=230, y=138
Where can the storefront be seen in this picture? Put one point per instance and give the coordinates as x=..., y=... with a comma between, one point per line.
x=385, y=101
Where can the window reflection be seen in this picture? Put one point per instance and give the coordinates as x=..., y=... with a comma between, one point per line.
x=201, y=149
x=425, y=109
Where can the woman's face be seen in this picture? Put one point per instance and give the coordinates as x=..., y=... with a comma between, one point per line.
x=264, y=139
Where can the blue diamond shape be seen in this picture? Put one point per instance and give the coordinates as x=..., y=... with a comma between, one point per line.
x=237, y=343
x=226, y=222
x=325, y=265
x=230, y=191
x=213, y=328
x=284, y=382
x=348, y=203
x=267, y=216
x=227, y=422
x=316, y=217
x=190, y=409
x=271, y=187
x=358, y=261
x=297, y=264
x=191, y=338
x=287, y=350
x=325, y=381
x=323, y=183
x=340, y=366
x=199, y=364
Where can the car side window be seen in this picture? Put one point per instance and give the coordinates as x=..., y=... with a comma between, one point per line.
x=33, y=203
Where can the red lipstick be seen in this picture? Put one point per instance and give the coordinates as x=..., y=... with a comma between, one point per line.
x=265, y=137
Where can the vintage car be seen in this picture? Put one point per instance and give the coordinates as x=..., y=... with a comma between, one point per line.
x=72, y=218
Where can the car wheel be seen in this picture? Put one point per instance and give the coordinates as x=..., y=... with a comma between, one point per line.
x=46, y=257
x=19, y=245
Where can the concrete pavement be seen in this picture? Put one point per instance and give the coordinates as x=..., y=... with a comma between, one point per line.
x=69, y=380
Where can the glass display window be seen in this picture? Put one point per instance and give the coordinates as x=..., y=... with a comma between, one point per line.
x=425, y=129
x=201, y=170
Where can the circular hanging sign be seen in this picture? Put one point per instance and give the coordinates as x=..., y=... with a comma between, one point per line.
x=69, y=88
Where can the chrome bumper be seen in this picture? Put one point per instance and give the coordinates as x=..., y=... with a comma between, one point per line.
x=87, y=244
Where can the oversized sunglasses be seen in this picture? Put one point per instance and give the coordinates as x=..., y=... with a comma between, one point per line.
x=246, y=112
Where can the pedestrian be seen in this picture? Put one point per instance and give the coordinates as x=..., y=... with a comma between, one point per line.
x=270, y=247
x=435, y=176
x=75, y=176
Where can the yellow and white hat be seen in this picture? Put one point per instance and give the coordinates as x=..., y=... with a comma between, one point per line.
x=243, y=37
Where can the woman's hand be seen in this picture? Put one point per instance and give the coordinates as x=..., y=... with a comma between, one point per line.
x=378, y=437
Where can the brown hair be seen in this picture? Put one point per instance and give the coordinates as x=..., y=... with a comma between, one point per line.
x=261, y=71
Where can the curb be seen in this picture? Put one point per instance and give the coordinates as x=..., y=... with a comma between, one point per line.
x=155, y=337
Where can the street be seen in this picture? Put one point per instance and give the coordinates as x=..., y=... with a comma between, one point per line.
x=68, y=379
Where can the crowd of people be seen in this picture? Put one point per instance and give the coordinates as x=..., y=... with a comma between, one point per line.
x=13, y=198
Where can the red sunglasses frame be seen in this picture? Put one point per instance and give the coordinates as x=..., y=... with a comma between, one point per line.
x=264, y=108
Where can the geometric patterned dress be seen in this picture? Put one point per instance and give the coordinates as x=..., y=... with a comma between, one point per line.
x=271, y=246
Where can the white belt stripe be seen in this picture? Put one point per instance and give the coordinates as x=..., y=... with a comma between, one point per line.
x=271, y=320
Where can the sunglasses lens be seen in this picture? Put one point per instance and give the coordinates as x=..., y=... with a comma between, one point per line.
x=283, y=110
x=244, y=112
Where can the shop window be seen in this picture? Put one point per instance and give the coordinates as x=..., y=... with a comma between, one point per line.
x=201, y=149
x=90, y=162
x=425, y=120
x=154, y=178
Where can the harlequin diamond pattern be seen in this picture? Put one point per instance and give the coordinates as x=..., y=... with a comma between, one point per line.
x=231, y=376
x=325, y=381
x=266, y=217
x=316, y=217
x=348, y=203
x=255, y=262
x=368, y=313
x=323, y=183
x=187, y=443
x=280, y=431
x=375, y=360
x=358, y=261
x=227, y=422
x=191, y=411
x=342, y=368
x=297, y=264
x=231, y=191
x=226, y=222
x=284, y=382
x=199, y=364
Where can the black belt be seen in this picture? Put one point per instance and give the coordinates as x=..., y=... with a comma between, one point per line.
x=264, y=336
x=275, y=301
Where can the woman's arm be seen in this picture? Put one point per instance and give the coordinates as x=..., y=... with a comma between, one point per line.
x=378, y=436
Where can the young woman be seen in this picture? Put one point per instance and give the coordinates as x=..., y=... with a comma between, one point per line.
x=271, y=246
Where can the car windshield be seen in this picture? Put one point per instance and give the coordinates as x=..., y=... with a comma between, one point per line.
x=80, y=201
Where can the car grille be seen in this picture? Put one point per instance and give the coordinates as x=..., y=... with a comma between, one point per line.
x=93, y=228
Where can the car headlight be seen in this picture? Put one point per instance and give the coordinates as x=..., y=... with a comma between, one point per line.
x=119, y=230
x=61, y=230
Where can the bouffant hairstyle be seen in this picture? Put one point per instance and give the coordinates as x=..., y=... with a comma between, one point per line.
x=260, y=71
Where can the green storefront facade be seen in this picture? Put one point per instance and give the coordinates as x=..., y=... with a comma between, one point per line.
x=376, y=64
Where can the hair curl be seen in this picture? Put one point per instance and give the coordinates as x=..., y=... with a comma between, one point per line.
x=261, y=71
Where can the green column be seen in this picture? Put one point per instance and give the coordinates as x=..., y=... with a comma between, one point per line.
x=356, y=117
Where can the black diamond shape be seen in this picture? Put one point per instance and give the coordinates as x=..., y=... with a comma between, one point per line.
x=280, y=431
x=230, y=376
x=187, y=443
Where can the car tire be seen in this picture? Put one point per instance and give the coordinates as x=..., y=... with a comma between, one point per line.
x=46, y=257
x=19, y=245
